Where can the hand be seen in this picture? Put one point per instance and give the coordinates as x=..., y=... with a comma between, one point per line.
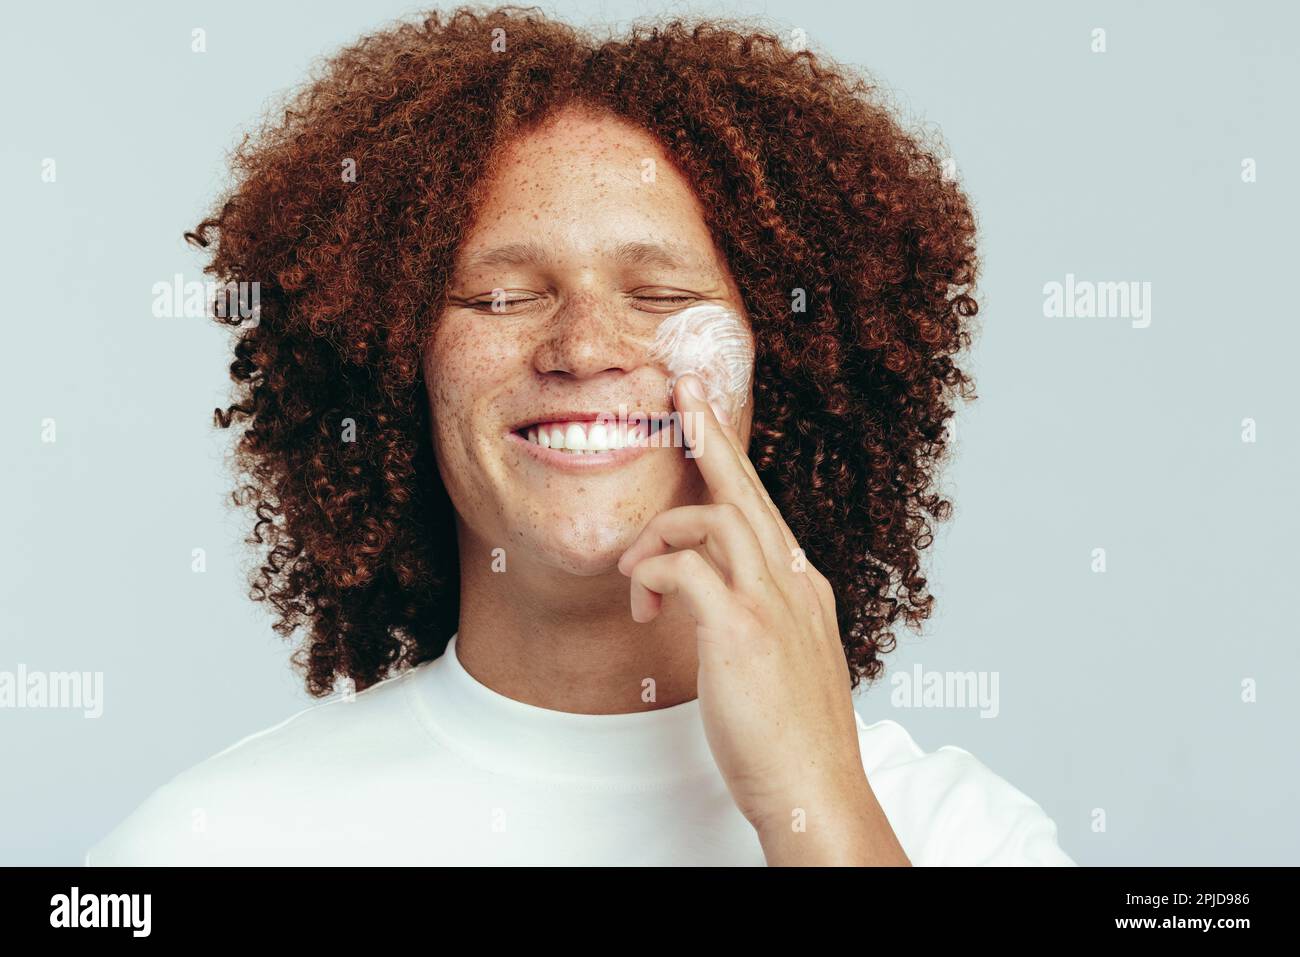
x=773, y=681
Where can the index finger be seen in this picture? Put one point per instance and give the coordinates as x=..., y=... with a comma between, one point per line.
x=729, y=473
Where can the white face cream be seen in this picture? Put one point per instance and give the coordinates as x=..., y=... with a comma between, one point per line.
x=711, y=342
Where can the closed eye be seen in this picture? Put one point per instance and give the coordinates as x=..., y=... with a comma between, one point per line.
x=662, y=304
x=493, y=304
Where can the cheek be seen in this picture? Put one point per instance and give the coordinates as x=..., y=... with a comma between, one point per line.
x=713, y=343
x=464, y=365
x=472, y=371
x=451, y=388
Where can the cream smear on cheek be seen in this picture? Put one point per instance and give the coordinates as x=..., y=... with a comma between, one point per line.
x=711, y=342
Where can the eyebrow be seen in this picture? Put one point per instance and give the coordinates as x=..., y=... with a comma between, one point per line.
x=629, y=254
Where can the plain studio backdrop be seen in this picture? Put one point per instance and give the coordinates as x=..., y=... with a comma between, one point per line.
x=1150, y=708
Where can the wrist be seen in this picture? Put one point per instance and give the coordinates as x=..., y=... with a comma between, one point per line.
x=844, y=827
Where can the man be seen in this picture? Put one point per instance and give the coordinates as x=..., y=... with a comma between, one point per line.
x=580, y=638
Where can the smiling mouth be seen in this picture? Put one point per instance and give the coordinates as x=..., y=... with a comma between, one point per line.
x=595, y=435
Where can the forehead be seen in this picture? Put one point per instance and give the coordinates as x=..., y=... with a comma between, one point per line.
x=582, y=178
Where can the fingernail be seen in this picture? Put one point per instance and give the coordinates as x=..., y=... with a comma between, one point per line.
x=694, y=387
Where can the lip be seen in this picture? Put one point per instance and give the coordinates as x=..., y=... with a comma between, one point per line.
x=567, y=462
x=583, y=415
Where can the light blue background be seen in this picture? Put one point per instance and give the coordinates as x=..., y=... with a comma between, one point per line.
x=1118, y=691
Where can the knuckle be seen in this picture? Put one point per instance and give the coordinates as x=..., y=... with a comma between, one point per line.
x=689, y=561
x=747, y=625
x=727, y=512
x=822, y=584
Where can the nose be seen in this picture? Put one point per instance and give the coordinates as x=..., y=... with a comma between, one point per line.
x=589, y=336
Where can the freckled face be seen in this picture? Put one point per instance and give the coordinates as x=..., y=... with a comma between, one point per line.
x=587, y=238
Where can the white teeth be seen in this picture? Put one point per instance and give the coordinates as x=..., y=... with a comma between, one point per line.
x=587, y=438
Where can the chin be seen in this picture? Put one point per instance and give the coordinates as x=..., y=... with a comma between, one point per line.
x=588, y=549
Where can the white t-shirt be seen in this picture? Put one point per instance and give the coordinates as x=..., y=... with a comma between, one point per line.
x=433, y=767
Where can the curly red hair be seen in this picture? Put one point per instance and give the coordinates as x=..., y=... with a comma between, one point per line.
x=809, y=184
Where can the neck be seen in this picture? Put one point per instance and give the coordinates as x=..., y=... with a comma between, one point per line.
x=566, y=642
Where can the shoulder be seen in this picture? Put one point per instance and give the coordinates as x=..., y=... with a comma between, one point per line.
x=948, y=808
x=248, y=791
